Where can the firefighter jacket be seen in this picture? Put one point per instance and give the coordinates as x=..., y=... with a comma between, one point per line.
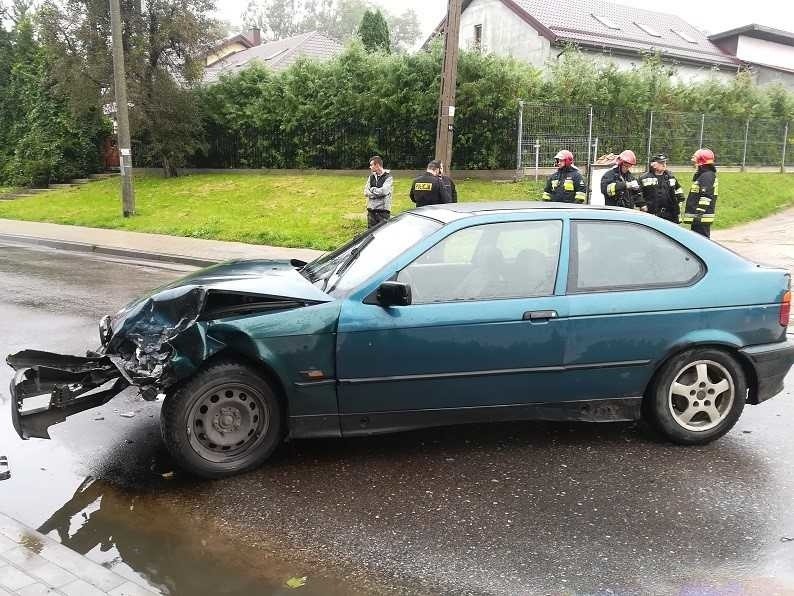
x=428, y=189
x=702, y=200
x=566, y=185
x=617, y=193
x=662, y=194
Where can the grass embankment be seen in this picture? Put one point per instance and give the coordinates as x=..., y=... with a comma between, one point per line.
x=313, y=211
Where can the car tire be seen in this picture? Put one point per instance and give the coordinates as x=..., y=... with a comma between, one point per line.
x=224, y=420
x=697, y=396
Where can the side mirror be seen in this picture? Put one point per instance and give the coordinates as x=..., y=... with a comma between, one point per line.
x=394, y=293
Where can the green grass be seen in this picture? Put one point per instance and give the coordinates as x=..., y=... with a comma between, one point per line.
x=5, y=189
x=313, y=211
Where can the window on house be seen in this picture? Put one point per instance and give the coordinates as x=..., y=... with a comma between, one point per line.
x=683, y=35
x=648, y=29
x=478, y=37
x=605, y=21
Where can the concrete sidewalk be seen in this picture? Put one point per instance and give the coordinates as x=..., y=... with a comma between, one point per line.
x=157, y=247
x=32, y=564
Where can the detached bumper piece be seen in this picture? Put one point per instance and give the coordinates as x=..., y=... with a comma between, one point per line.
x=48, y=388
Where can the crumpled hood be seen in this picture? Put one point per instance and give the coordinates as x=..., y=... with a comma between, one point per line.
x=263, y=277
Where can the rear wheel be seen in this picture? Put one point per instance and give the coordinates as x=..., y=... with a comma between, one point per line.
x=697, y=397
x=223, y=421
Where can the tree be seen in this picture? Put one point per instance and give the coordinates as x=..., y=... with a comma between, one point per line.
x=374, y=32
x=277, y=19
x=165, y=42
x=405, y=30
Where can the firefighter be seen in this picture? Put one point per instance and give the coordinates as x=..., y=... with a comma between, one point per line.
x=701, y=204
x=428, y=189
x=618, y=185
x=661, y=191
x=566, y=185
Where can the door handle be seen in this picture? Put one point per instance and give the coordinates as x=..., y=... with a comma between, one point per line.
x=539, y=315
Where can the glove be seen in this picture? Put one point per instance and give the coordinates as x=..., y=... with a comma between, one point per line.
x=634, y=185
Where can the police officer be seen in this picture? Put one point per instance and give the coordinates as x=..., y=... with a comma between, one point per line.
x=428, y=189
x=618, y=185
x=448, y=184
x=701, y=204
x=566, y=185
x=661, y=191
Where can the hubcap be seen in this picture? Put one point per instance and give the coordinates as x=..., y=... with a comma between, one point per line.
x=227, y=422
x=701, y=395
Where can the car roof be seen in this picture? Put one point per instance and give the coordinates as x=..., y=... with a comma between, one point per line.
x=448, y=212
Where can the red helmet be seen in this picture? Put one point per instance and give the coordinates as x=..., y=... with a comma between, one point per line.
x=703, y=157
x=563, y=158
x=627, y=157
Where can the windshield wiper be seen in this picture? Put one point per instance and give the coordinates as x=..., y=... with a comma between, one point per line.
x=351, y=258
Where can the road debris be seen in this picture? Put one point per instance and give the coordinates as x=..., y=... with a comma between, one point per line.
x=296, y=582
x=5, y=472
x=127, y=414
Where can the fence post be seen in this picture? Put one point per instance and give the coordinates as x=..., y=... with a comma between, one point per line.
x=702, y=126
x=519, y=152
x=785, y=140
x=590, y=172
x=537, y=157
x=744, y=154
x=650, y=137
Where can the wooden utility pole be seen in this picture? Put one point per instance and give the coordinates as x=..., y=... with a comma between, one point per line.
x=449, y=76
x=122, y=116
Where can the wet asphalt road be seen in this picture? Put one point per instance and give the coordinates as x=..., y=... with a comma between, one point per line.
x=530, y=508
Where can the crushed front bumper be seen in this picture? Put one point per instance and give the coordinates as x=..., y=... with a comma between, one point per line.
x=48, y=388
x=772, y=363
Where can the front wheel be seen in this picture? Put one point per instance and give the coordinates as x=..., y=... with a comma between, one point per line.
x=223, y=421
x=697, y=397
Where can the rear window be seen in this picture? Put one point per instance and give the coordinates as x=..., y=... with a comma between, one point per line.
x=608, y=256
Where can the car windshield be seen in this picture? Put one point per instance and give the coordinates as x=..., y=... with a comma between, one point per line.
x=343, y=269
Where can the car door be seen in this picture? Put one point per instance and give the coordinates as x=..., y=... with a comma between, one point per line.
x=485, y=332
x=631, y=299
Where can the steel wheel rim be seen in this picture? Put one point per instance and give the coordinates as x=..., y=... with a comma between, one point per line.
x=227, y=422
x=701, y=396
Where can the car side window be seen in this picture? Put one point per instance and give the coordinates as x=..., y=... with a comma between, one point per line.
x=608, y=255
x=488, y=262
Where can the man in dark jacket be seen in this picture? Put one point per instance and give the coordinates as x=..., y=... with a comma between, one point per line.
x=701, y=204
x=427, y=189
x=618, y=185
x=449, y=185
x=378, y=190
x=661, y=191
x=566, y=185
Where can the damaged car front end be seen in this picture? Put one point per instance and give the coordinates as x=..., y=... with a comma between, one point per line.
x=152, y=344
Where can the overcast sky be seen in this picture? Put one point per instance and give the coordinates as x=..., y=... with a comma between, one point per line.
x=710, y=15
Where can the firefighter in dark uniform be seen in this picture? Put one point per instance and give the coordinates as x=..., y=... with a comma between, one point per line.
x=566, y=185
x=618, y=185
x=428, y=189
x=701, y=204
x=661, y=191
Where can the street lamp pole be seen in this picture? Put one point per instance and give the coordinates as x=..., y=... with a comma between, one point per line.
x=122, y=116
x=446, y=103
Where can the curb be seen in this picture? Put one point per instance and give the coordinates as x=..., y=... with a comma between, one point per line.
x=107, y=250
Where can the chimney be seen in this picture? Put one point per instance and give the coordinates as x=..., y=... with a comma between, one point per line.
x=255, y=36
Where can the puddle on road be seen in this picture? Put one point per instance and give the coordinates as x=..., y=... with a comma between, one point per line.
x=133, y=533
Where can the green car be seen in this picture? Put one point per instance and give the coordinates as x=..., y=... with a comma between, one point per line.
x=447, y=314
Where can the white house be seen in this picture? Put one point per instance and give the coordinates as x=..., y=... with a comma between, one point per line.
x=768, y=52
x=537, y=31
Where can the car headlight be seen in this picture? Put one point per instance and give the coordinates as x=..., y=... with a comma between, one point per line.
x=105, y=330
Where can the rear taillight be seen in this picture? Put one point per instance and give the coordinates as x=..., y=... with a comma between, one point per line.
x=785, y=304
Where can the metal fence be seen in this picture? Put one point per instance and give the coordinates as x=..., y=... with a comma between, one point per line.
x=590, y=132
x=495, y=138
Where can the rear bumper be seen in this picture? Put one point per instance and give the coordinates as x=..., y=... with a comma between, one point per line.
x=772, y=363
